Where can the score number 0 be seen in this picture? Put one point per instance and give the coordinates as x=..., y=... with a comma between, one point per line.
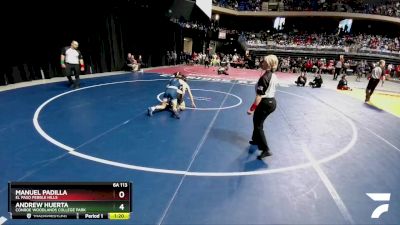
x=121, y=194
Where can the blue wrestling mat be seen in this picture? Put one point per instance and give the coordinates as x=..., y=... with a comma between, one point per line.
x=329, y=151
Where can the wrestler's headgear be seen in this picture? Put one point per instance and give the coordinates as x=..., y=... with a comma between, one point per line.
x=180, y=76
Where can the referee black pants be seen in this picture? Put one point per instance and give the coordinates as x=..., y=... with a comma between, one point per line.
x=266, y=107
x=372, y=83
x=72, y=69
x=337, y=73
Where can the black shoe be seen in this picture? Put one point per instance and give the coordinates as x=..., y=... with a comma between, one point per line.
x=263, y=155
x=150, y=111
x=252, y=142
x=176, y=115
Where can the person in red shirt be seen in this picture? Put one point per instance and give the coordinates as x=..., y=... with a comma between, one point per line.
x=342, y=85
x=398, y=71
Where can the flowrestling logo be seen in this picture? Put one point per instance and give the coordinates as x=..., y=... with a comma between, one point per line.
x=380, y=197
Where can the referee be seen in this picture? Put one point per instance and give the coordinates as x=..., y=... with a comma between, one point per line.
x=376, y=74
x=72, y=63
x=264, y=103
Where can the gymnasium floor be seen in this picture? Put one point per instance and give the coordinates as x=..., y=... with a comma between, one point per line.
x=329, y=150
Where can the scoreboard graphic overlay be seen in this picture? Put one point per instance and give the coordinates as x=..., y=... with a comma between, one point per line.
x=72, y=200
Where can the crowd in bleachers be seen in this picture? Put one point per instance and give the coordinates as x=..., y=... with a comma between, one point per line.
x=340, y=41
x=240, y=5
x=134, y=63
x=390, y=8
x=347, y=42
x=208, y=59
x=328, y=66
x=303, y=65
x=340, y=67
x=201, y=27
x=216, y=59
x=386, y=8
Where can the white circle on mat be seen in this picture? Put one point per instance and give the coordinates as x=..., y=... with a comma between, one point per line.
x=215, y=108
x=72, y=151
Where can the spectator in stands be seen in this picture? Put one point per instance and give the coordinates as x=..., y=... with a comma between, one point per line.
x=132, y=63
x=257, y=63
x=215, y=60
x=182, y=58
x=224, y=66
x=362, y=43
x=168, y=58
x=397, y=72
x=308, y=65
x=285, y=64
x=360, y=70
x=174, y=57
x=207, y=61
x=320, y=63
x=140, y=63
x=386, y=73
x=388, y=8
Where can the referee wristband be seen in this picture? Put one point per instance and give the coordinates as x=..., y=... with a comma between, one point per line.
x=62, y=62
x=253, y=107
x=82, y=65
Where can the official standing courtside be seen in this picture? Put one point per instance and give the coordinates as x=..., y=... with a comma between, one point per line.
x=264, y=103
x=72, y=63
x=376, y=75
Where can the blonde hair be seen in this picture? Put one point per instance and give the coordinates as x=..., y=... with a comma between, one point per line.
x=272, y=62
x=382, y=62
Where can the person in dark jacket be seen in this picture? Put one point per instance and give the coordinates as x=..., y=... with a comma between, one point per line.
x=301, y=80
x=317, y=82
x=342, y=85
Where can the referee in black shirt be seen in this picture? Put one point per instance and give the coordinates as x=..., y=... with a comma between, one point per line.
x=264, y=103
x=72, y=63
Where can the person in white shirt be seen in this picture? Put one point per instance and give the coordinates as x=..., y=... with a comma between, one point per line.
x=132, y=63
x=338, y=67
x=376, y=74
x=264, y=103
x=72, y=63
